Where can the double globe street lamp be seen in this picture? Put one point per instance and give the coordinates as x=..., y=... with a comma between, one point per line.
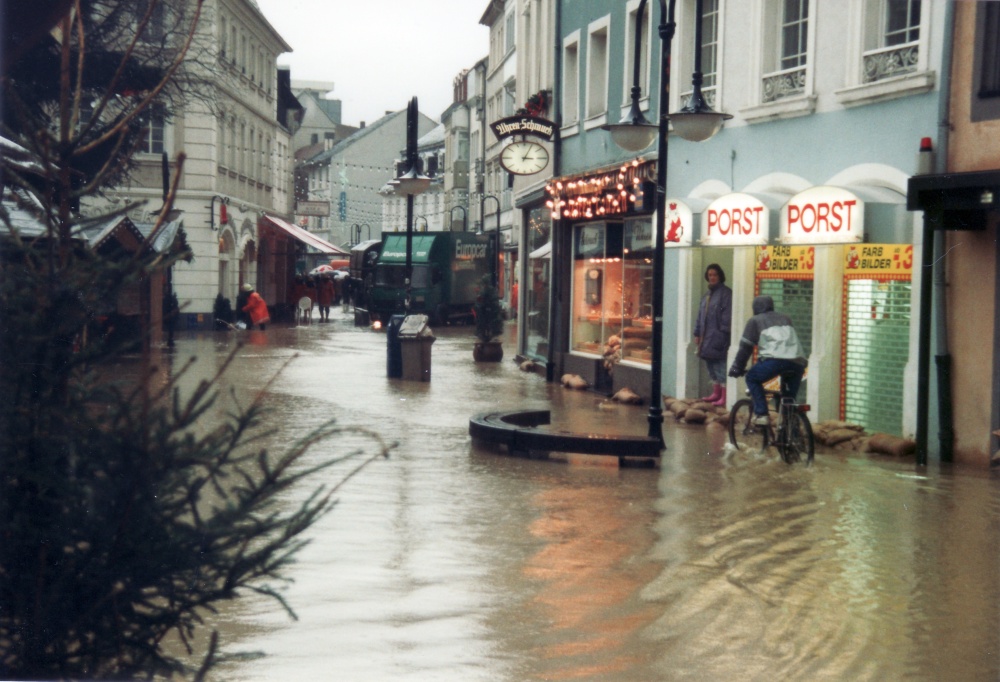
x=696, y=122
x=411, y=182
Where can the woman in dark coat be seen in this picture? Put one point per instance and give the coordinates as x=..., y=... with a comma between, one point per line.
x=712, y=330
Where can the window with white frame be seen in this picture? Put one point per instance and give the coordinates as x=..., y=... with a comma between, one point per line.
x=632, y=8
x=223, y=37
x=510, y=31
x=710, y=47
x=886, y=49
x=152, y=136
x=892, y=39
x=597, y=72
x=509, y=90
x=788, y=53
x=571, y=80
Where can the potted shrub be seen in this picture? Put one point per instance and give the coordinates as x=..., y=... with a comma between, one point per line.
x=489, y=324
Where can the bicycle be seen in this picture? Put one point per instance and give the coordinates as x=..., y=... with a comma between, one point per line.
x=792, y=437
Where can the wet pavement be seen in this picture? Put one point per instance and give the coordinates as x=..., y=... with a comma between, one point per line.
x=448, y=561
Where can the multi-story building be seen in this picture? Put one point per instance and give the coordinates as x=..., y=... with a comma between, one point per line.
x=496, y=205
x=535, y=82
x=456, y=175
x=235, y=191
x=429, y=213
x=961, y=205
x=349, y=175
x=800, y=196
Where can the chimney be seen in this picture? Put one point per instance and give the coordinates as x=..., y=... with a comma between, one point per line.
x=362, y=126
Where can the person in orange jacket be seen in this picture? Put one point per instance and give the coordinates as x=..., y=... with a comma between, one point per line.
x=257, y=307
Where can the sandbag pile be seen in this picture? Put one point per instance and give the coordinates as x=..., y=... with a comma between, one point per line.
x=834, y=434
x=841, y=435
x=695, y=411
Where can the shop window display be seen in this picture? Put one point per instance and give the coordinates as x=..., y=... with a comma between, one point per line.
x=612, y=290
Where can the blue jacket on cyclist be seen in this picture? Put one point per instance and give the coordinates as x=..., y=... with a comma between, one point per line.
x=778, y=352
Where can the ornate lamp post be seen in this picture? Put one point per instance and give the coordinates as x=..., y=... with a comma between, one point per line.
x=465, y=217
x=411, y=182
x=695, y=122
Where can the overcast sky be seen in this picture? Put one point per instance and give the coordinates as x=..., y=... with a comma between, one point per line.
x=380, y=53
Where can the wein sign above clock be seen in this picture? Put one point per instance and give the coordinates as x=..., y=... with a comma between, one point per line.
x=523, y=156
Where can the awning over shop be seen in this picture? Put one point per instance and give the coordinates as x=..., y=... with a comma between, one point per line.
x=740, y=219
x=304, y=236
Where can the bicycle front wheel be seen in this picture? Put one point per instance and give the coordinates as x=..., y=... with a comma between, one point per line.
x=743, y=433
x=799, y=443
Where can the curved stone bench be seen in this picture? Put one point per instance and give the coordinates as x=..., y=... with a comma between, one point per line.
x=519, y=432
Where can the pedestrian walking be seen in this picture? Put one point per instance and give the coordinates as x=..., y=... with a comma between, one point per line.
x=325, y=297
x=256, y=307
x=713, y=330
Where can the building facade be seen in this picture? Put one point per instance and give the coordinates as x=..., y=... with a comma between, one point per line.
x=496, y=206
x=800, y=196
x=960, y=203
x=429, y=214
x=237, y=171
x=350, y=174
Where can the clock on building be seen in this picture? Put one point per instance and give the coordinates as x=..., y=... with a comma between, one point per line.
x=524, y=158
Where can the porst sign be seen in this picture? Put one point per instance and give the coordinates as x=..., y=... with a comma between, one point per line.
x=822, y=215
x=735, y=220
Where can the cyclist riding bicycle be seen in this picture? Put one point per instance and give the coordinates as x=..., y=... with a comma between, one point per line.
x=779, y=352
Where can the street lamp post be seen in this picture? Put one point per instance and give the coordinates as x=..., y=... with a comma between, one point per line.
x=695, y=122
x=465, y=217
x=411, y=182
x=357, y=232
x=496, y=253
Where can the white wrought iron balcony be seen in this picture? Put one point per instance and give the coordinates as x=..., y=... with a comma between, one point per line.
x=888, y=62
x=784, y=83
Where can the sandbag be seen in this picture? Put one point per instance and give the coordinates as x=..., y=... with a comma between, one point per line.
x=627, y=396
x=891, y=445
x=574, y=381
x=695, y=416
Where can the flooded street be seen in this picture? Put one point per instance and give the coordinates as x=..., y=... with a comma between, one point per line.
x=447, y=562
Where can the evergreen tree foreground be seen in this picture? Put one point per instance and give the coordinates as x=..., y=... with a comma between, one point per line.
x=129, y=511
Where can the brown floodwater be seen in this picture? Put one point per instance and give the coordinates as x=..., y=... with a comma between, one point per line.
x=452, y=562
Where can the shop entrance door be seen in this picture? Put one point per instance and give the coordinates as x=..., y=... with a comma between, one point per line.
x=876, y=348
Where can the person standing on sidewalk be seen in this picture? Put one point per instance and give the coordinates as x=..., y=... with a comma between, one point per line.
x=779, y=352
x=257, y=308
x=713, y=329
x=325, y=297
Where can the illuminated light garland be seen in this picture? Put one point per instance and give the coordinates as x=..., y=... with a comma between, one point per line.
x=611, y=191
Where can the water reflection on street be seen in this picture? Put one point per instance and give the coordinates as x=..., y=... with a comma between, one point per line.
x=447, y=562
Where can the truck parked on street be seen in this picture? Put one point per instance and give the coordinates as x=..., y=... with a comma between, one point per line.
x=361, y=277
x=447, y=270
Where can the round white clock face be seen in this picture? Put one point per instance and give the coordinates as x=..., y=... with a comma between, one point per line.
x=524, y=158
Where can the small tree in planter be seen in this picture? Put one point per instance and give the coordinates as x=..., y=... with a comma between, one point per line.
x=489, y=324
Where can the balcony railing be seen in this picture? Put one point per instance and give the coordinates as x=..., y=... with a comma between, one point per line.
x=889, y=62
x=781, y=84
x=708, y=92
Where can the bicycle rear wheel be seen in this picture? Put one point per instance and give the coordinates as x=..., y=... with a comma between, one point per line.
x=800, y=445
x=743, y=433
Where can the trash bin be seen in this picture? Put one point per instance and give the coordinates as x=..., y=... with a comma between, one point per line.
x=415, y=340
x=393, y=352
